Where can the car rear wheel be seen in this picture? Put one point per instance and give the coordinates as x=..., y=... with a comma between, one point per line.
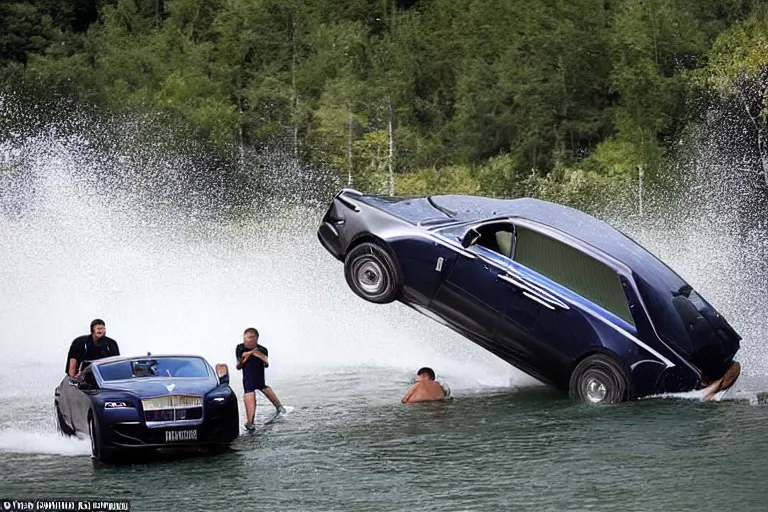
x=372, y=273
x=598, y=379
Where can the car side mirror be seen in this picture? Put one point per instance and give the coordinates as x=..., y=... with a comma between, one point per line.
x=84, y=386
x=222, y=372
x=470, y=238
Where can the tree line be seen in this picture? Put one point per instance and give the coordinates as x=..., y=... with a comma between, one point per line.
x=565, y=99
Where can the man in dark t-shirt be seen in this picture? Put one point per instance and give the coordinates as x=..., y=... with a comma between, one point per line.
x=90, y=347
x=252, y=359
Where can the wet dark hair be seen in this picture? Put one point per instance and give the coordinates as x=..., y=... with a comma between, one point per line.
x=428, y=371
x=253, y=330
x=96, y=322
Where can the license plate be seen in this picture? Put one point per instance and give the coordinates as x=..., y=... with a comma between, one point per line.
x=173, y=436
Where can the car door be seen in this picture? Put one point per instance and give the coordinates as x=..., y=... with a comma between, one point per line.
x=535, y=322
x=471, y=297
x=67, y=396
x=551, y=288
x=80, y=401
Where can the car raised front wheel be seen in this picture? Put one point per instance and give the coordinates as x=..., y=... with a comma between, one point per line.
x=598, y=379
x=372, y=273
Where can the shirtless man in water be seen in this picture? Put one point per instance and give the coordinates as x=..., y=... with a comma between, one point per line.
x=425, y=389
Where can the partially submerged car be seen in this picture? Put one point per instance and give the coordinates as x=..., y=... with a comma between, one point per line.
x=557, y=293
x=133, y=403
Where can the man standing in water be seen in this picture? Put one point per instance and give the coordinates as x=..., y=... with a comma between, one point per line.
x=90, y=347
x=425, y=389
x=252, y=359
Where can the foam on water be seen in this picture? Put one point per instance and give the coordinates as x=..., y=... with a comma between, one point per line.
x=47, y=443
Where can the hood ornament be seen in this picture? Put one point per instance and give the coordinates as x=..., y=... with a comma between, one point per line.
x=170, y=387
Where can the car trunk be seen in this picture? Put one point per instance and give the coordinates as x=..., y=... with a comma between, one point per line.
x=418, y=210
x=694, y=328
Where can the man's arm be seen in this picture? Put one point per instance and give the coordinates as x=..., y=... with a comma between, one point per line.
x=408, y=394
x=242, y=356
x=72, y=367
x=242, y=360
x=74, y=355
x=257, y=353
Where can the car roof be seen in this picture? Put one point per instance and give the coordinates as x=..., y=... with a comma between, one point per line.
x=571, y=221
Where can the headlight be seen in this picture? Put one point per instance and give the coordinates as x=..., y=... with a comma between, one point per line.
x=217, y=398
x=117, y=405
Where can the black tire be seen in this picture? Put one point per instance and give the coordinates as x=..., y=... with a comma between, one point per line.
x=61, y=425
x=98, y=451
x=599, y=380
x=373, y=274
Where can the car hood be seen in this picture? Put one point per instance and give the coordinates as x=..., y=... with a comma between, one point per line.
x=154, y=386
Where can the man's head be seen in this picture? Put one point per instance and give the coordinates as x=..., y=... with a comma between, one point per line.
x=250, y=337
x=425, y=374
x=98, y=329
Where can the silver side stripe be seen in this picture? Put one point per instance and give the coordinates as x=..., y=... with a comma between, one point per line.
x=453, y=246
x=520, y=282
x=459, y=249
x=635, y=340
x=536, y=299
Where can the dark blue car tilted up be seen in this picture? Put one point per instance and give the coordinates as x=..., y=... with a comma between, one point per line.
x=555, y=292
x=125, y=404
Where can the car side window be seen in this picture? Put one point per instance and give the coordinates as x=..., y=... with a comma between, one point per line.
x=577, y=271
x=90, y=379
x=497, y=237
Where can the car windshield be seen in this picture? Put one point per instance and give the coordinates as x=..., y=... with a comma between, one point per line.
x=154, y=367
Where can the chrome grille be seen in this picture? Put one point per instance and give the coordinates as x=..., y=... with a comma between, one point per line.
x=192, y=413
x=172, y=402
x=172, y=408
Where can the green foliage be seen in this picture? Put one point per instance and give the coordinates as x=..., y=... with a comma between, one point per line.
x=553, y=98
x=738, y=54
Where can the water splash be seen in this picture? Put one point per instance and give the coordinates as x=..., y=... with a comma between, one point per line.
x=178, y=257
x=47, y=443
x=88, y=234
x=712, y=226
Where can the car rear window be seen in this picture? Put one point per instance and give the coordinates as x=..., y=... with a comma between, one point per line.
x=154, y=367
x=573, y=269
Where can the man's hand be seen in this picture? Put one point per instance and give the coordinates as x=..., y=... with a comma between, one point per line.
x=260, y=355
x=243, y=358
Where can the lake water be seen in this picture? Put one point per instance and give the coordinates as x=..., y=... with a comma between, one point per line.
x=168, y=281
